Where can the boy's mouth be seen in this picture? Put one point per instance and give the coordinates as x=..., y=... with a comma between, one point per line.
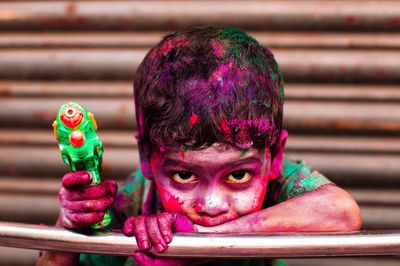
x=207, y=220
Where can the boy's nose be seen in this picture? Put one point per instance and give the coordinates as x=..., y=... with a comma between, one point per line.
x=213, y=205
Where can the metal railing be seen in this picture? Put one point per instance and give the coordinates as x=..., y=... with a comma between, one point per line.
x=365, y=243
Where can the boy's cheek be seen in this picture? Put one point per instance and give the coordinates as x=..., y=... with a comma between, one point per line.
x=171, y=202
x=249, y=201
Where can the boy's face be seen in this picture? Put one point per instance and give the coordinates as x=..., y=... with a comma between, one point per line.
x=213, y=185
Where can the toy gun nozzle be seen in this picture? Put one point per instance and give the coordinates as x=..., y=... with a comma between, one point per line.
x=71, y=116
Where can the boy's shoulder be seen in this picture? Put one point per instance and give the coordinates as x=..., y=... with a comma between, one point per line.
x=296, y=178
x=129, y=199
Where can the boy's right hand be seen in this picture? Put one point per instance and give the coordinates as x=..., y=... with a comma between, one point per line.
x=83, y=205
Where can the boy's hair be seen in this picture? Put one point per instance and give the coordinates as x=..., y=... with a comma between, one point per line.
x=201, y=86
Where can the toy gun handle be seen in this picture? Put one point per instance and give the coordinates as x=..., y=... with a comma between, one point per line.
x=81, y=149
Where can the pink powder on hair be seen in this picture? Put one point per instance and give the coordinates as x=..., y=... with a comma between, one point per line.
x=219, y=50
x=193, y=119
x=226, y=130
x=166, y=47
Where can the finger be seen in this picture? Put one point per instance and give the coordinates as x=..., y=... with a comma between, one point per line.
x=88, y=205
x=90, y=192
x=141, y=236
x=73, y=179
x=129, y=227
x=143, y=259
x=81, y=220
x=154, y=234
x=165, y=224
x=112, y=187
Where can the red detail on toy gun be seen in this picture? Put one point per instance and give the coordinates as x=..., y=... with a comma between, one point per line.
x=77, y=138
x=71, y=117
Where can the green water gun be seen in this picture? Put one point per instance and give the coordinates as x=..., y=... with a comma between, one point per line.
x=80, y=147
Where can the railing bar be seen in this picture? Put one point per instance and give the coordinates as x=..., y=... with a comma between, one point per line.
x=365, y=243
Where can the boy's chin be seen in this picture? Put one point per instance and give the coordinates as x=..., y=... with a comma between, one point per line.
x=206, y=220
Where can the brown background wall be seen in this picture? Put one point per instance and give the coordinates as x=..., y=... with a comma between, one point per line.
x=340, y=60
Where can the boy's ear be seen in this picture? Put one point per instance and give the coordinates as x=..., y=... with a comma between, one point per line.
x=276, y=164
x=145, y=160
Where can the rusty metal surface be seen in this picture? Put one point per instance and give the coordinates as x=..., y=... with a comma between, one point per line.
x=43, y=137
x=32, y=185
x=156, y=15
x=355, y=170
x=377, y=197
x=70, y=64
x=305, y=65
x=296, y=143
x=342, y=92
x=342, y=116
x=147, y=39
x=29, y=209
x=111, y=89
x=299, y=116
x=70, y=89
x=118, y=163
x=343, y=144
x=113, y=113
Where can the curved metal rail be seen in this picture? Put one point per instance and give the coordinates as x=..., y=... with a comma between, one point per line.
x=206, y=245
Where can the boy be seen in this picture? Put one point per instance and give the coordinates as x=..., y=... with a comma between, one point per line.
x=209, y=112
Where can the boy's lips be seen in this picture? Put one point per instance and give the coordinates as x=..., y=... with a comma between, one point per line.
x=207, y=220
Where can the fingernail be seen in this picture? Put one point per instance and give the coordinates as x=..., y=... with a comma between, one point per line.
x=159, y=248
x=167, y=238
x=86, y=176
x=145, y=244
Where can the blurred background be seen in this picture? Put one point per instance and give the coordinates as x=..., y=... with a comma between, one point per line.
x=340, y=60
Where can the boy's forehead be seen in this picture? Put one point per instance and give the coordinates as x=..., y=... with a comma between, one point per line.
x=218, y=152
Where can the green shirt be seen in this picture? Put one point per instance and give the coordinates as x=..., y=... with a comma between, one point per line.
x=139, y=197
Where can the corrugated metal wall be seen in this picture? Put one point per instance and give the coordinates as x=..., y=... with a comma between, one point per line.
x=340, y=60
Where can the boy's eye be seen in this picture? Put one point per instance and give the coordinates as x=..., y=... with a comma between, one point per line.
x=239, y=177
x=184, y=177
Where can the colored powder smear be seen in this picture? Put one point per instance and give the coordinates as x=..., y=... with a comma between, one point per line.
x=218, y=48
x=185, y=149
x=244, y=152
x=193, y=119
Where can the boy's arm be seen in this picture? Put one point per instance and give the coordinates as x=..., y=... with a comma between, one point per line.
x=329, y=208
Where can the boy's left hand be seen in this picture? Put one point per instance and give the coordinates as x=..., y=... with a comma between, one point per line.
x=156, y=230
